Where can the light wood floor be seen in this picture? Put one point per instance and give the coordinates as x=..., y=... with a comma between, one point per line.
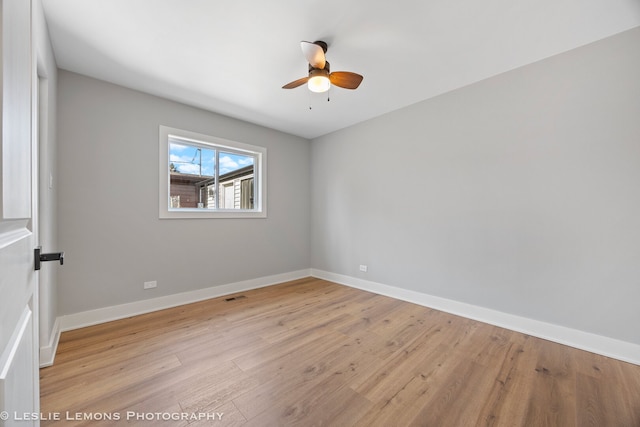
x=310, y=352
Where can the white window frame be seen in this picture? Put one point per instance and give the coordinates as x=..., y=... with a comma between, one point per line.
x=260, y=176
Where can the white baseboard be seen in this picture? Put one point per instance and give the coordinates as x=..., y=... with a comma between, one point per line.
x=48, y=353
x=598, y=344
x=610, y=347
x=107, y=314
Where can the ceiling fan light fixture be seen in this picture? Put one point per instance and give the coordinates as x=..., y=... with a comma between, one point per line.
x=320, y=77
x=319, y=84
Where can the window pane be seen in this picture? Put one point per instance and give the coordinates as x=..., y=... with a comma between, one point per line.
x=234, y=169
x=191, y=174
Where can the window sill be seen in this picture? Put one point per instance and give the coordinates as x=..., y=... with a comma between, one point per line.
x=206, y=214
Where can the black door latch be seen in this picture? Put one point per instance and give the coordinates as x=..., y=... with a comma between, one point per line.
x=40, y=257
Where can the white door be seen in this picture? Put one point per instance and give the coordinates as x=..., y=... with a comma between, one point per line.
x=19, y=392
x=229, y=197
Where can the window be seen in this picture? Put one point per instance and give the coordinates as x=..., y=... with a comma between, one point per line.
x=203, y=176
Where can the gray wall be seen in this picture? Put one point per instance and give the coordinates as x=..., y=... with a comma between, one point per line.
x=108, y=202
x=520, y=193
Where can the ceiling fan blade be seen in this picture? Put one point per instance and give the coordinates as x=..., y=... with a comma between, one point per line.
x=314, y=54
x=345, y=79
x=295, y=83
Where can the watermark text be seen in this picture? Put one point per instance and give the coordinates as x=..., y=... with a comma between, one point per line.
x=111, y=416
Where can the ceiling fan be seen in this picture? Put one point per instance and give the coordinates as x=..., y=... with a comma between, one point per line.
x=320, y=78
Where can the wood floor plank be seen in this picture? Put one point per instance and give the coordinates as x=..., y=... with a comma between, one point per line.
x=455, y=403
x=595, y=405
x=555, y=376
x=93, y=385
x=402, y=366
x=301, y=376
x=508, y=397
x=294, y=341
x=311, y=352
x=338, y=407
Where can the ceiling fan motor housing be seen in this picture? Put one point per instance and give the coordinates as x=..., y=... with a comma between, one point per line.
x=325, y=70
x=322, y=44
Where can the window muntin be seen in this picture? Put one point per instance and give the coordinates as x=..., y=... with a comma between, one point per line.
x=203, y=176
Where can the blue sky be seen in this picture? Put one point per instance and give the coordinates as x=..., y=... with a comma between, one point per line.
x=188, y=158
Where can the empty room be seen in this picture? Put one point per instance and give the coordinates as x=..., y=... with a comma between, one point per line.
x=413, y=213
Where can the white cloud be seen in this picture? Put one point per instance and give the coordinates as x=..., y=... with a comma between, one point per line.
x=189, y=168
x=245, y=161
x=227, y=164
x=178, y=147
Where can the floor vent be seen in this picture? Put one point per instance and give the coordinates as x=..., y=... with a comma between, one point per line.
x=235, y=298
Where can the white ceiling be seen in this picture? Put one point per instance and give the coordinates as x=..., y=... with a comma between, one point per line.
x=232, y=57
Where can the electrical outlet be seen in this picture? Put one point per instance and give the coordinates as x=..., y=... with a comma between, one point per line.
x=363, y=268
x=150, y=285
